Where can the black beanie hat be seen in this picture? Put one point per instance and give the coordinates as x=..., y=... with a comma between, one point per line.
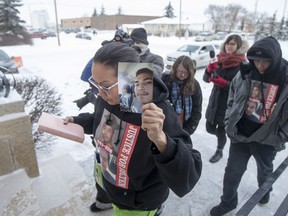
x=139, y=34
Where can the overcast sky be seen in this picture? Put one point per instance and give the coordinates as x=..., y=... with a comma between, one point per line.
x=190, y=8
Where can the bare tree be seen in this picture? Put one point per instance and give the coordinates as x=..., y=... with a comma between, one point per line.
x=216, y=14
x=232, y=15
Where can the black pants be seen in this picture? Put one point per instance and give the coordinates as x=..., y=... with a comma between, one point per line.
x=219, y=131
x=102, y=195
x=239, y=155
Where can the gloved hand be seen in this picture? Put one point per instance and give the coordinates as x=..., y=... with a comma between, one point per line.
x=219, y=81
x=211, y=67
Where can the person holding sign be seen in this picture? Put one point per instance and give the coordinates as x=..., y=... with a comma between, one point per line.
x=152, y=156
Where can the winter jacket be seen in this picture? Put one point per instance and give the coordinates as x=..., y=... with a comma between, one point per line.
x=145, y=175
x=274, y=131
x=149, y=57
x=191, y=124
x=215, y=112
x=87, y=73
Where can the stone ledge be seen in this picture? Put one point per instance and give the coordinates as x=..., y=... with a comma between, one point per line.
x=12, y=104
x=61, y=189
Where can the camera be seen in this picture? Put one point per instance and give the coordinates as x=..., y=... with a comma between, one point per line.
x=120, y=36
x=4, y=81
x=89, y=97
x=245, y=68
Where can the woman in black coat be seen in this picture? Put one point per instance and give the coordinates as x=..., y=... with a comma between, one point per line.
x=221, y=73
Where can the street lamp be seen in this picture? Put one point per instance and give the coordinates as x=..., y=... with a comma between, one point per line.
x=57, y=29
x=180, y=13
x=255, y=12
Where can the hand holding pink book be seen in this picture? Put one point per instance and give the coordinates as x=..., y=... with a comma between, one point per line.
x=54, y=125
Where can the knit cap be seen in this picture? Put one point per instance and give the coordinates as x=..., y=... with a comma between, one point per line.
x=139, y=34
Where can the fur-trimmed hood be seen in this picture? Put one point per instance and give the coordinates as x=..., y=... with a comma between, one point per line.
x=243, y=49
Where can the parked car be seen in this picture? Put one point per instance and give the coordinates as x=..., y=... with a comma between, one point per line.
x=204, y=36
x=7, y=62
x=197, y=51
x=220, y=35
x=51, y=34
x=41, y=35
x=83, y=36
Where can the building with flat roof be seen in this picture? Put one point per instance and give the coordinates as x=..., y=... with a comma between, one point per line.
x=104, y=22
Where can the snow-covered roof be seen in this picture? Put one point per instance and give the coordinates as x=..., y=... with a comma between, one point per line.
x=167, y=21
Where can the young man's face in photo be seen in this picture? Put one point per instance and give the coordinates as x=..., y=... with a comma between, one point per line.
x=251, y=107
x=255, y=92
x=107, y=133
x=144, y=87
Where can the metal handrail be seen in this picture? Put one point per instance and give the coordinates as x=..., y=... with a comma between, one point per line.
x=264, y=188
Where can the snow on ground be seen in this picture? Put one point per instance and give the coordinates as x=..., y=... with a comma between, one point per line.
x=62, y=66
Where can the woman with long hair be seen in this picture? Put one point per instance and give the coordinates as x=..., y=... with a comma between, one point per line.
x=185, y=92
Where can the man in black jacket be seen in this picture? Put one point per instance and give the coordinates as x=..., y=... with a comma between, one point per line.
x=139, y=36
x=262, y=136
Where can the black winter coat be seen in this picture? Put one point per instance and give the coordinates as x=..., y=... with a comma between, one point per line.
x=144, y=175
x=215, y=112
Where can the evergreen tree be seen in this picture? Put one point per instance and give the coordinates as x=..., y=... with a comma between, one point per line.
x=94, y=13
x=119, y=11
x=169, y=11
x=11, y=30
x=102, y=10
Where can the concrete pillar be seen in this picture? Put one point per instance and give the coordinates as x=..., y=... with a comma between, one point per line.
x=16, y=141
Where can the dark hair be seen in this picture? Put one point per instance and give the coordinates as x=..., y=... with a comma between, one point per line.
x=237, y=38
x=112, y=53
x=189, y=65
x=144, y=70
x=257, y=85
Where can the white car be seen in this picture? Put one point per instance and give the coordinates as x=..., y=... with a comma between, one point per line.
x=204, y=36
x=197, y=51
x=83, y=36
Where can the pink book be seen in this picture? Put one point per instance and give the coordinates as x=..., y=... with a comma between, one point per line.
x=54, y=125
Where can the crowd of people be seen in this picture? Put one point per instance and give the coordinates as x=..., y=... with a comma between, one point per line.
x=143, y=151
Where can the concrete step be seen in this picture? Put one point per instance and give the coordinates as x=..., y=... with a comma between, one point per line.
x=62, y=188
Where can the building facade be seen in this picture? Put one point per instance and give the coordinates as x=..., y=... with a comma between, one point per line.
x=104, y=22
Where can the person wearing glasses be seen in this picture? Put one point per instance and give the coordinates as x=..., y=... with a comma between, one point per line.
x=221, y=73
x=185, y=93
x=152, y=156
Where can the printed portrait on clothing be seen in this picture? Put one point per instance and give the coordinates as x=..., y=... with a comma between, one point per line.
x=115, y=141
x=135, y=85
x=261, y=99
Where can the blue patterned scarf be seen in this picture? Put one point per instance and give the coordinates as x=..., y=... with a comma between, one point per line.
x=177, y=101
